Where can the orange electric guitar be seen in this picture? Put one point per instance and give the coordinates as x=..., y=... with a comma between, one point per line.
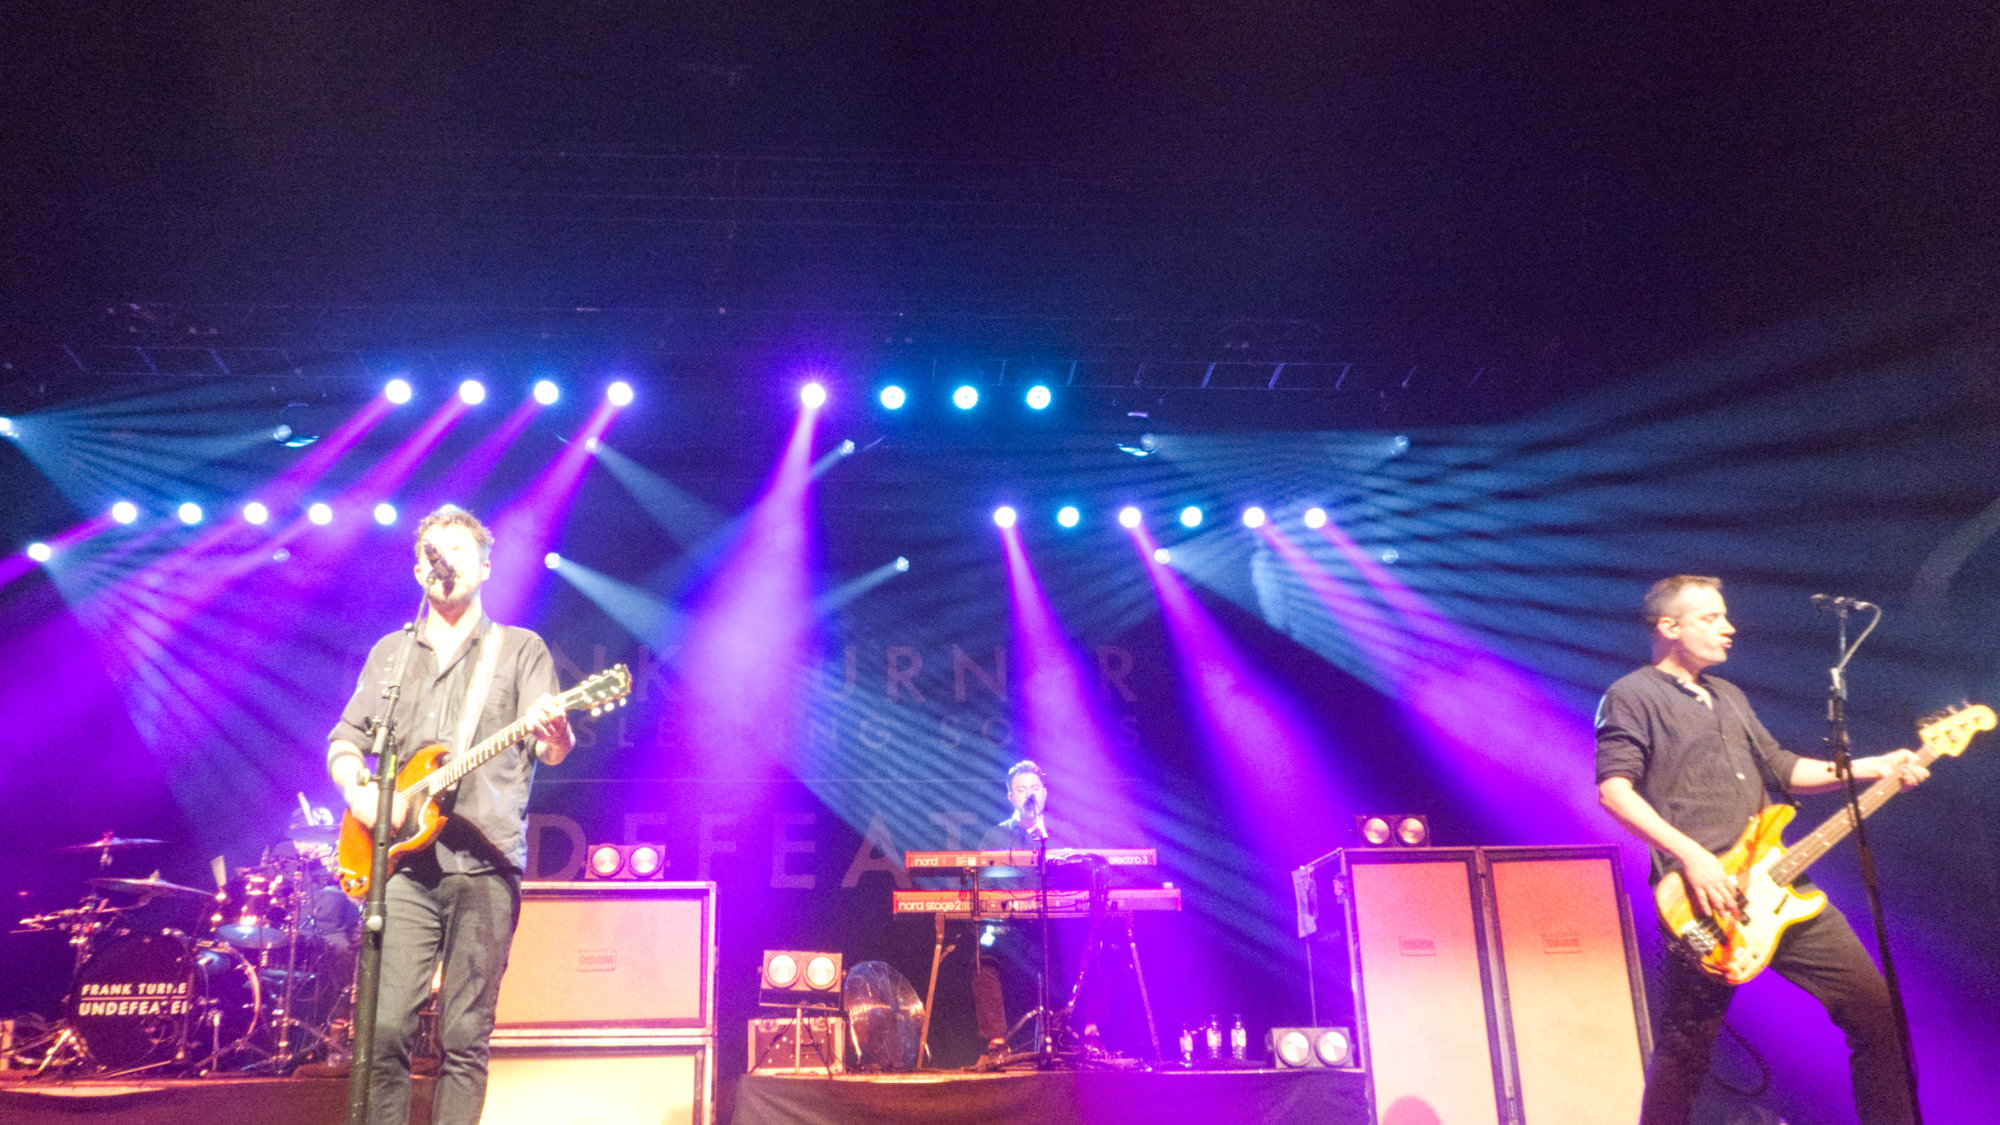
x=426, y=780
x=1737, y=949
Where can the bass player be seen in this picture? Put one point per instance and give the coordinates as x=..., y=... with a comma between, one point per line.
x=1684, y=764
x=456, y=902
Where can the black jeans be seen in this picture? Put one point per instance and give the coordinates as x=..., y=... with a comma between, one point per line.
x=465, y=922
x=1820, y=955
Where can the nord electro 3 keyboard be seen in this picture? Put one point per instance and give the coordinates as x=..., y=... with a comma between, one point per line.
x=965, y=861
x=1019, y=902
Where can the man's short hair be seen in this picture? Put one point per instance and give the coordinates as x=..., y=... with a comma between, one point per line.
x=451, y=515
x=1025, y=765
x=1666, y=590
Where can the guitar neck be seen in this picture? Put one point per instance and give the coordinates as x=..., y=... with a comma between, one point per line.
x=449, y=774
x=1835, y=829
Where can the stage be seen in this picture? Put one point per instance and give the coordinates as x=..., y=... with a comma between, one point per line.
x=1321, y=1097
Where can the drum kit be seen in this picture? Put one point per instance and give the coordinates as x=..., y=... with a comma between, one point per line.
x=254, y=979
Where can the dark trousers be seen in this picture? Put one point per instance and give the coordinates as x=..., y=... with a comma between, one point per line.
x=1820, y=955
x=466, y=923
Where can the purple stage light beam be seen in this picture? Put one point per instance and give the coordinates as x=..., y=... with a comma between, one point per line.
x=1062, y=729
x=745, y=663
x=1268, y=760
x=528, y=525
x=1498, y=731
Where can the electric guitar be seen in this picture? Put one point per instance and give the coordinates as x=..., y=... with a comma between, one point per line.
x=425, y=782
x=1737, y=949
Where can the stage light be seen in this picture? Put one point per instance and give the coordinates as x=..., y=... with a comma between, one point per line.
x=1039, y=397
x=619, y=393
x=1253, y=517
x=1161, y=556
x=320, y=513
x=190, y=513
x=1399, y=445
x=472, y=392
x=40, y=552
x=847, y=448
x=787, y=970
x=1402, y=830
x=255, y=513
x=590, y=445
x=812, y=396
x=1390, y=556
x=1315, y=518
x=893, y=397
x=552, y=560
x=1299, y=1048
x=385, y=513
x=1190, y=516
x=1128, y=517
x=397, y=391
x=7, y=428
x=965, y=397
x=547, y=393
x=1068, y=516
x=1004, y=516
x=124, y=511
x=902, y=564
x=624, y=861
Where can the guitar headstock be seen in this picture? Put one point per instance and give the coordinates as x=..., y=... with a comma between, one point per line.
x=1949, y=732
x=601, y=692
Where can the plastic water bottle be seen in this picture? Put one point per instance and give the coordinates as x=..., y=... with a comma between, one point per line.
x=1187, y=1045
x=1239, y=1040
x=1213, y=1034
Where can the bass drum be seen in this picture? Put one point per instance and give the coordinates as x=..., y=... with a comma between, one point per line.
x=157, y=999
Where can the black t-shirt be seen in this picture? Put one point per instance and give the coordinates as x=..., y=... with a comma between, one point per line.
x=1697, y=766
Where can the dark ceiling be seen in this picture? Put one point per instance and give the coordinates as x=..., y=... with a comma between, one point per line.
x=1545, y=195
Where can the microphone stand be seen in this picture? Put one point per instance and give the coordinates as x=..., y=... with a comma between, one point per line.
x=1843, y=767
x=375, y=914
x=1047, y=1046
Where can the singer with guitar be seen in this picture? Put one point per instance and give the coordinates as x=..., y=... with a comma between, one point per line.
x=454, y=902
x=1684, y=764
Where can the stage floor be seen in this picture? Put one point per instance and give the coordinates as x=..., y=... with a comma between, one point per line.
x=143, y=1101
x=1096, y=1097
x=1320, y=1097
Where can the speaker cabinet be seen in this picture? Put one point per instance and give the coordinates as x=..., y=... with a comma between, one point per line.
x=1419, y=962
x=1496, y=985
x=604, y=960
x=663, y=1083
x=1575, y=1000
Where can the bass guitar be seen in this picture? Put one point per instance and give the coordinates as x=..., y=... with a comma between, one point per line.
x=1737, y=949
x=426, y=780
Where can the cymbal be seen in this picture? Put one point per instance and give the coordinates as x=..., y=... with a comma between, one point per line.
x=111, y=843
x=151, y=886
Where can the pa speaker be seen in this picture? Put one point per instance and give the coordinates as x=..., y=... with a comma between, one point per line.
x=599, y=960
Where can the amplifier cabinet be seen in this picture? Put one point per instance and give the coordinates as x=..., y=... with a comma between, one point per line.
x=1570, y=986
x=1419, y=958
x=803, y=1045
x=1496, y=985
x=604, y=960
x=631, y=1082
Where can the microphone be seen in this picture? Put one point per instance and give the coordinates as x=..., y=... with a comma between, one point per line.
x=1836, y=603
x=1031, y=815
x=440, y=569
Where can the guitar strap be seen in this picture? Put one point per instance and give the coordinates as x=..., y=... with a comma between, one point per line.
x=476, y=690
x=1772, y=781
